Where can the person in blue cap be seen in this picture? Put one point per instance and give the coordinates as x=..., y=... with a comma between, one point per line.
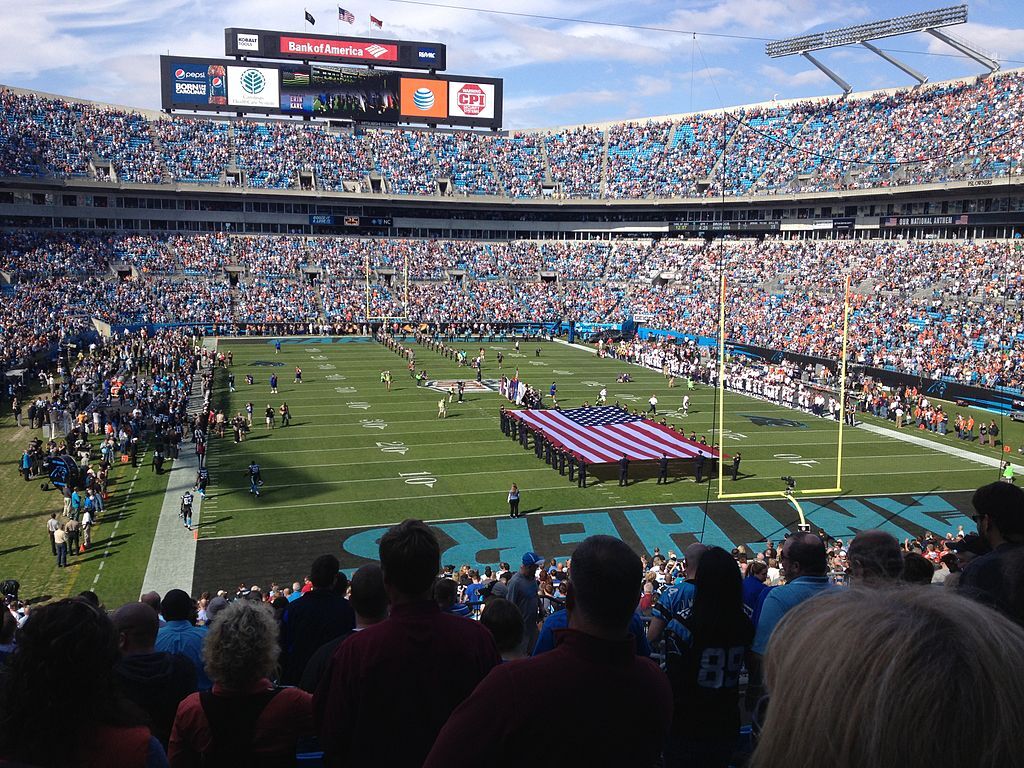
x=523, y=593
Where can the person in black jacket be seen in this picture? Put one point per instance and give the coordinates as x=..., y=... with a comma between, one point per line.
x=155, y=681
x=320, y=615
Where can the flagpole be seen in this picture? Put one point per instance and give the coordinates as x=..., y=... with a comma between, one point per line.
x=305, y=21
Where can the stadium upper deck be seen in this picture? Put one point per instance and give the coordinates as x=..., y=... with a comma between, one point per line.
x=953, y=131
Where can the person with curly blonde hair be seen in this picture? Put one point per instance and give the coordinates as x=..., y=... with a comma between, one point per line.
x=245, y=718
x=876, y=677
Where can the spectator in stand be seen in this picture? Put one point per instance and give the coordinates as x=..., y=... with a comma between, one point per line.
x=245, y=719
x=917, y=569
x=703, y=660
x=64, y=667
x=875, y=559
x=997, y=578
x=179, y=634
x=369, y=601
x=754, y=587
x=524, y=593
x=594, y=658
x=908, y=662
x=412, y=669
x=320, y=615
x=805, y=565
x=505, y=624
x=154, y=680
x=678, y=597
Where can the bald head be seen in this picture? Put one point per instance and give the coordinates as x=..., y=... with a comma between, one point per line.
x=875, y=557
x=136, y=625
x=803, y=554
x=152, y=599
x=692, y=555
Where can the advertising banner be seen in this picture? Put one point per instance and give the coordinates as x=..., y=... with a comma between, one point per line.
x=198, y=83
x=334, y=49
x=471, y=99
x=254, y=87
x=338, y=49
x=424, y=98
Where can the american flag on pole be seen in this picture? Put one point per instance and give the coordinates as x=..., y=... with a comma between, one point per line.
x=600, y=435
x=344, y=15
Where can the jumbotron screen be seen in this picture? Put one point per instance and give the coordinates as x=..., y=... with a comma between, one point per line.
x=344, y=93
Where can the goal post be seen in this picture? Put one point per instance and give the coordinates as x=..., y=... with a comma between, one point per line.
x=721, y=407
x=368, y=281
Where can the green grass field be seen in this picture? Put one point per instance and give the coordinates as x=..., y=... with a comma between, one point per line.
x=357, y=455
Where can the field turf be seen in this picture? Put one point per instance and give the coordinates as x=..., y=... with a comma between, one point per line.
x=356, y=454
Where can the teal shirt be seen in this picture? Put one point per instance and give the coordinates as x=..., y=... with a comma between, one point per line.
x=780, y=600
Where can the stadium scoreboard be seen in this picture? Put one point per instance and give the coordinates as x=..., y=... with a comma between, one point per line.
x=331, y=49
x=706, y=228
x=316, y=90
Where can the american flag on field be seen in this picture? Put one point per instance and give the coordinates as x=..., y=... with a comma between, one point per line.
x=601, y=435
x=344, y=15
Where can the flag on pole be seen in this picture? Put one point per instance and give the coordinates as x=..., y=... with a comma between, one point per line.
x=376, y=22
x=346, y=16
x=310, y=19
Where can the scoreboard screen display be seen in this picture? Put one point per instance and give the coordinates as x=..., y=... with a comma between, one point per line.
x=369, y=95
x=358, y=94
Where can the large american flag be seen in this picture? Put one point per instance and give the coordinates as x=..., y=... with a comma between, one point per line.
x=600, y=435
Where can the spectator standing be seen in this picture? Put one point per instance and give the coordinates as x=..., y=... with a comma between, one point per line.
x=99, y=727
x=245, y=719
x=320, y=615
x=180, y=635
x=875, y=558
x=410, y=670
x=524, y=593
x=704, y=656
x=918, y=659
x=997, y=578
x=156, y=681
x=369, y=601
x=596, y=659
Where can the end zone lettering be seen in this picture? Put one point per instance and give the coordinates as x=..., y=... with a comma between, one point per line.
x=342, y=49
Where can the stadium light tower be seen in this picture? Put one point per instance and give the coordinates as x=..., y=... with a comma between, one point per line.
x=861, y=34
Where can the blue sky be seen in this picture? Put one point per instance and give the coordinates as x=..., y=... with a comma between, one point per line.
x=556, y=72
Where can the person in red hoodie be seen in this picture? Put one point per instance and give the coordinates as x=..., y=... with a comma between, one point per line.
x=595, y=658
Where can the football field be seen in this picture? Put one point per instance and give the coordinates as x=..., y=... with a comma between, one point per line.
x=357, y=457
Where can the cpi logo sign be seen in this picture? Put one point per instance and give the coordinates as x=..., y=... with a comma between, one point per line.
x=471, y=100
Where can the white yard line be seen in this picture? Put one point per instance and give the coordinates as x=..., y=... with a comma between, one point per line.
x=952, y=450
x=172, y=558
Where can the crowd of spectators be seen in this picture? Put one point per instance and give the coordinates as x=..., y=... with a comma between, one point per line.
x=936, y=133
x=707, y=638
x=937, y=309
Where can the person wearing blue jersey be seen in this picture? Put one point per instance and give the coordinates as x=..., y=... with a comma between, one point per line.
x=255, y=477
x=676, y=598
x=202, y=480
x=704, y=654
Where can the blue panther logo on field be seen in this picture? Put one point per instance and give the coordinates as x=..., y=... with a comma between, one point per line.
x=773, y=421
